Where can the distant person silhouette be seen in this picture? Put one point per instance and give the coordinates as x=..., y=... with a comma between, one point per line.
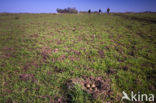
x=89, y=11
x=108, y=10
x=99, y=11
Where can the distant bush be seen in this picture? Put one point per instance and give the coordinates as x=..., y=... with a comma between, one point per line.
x=83, y=12
x=16, y=18
x=67, y=10
x=95, y=12
x=147, y=11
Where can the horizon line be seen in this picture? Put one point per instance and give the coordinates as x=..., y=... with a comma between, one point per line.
x=80, y=12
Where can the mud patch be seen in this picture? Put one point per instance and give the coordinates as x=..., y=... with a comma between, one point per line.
x=58, y=70
x=101, y=53
x=34, y=36
x=111, y=71
x=124, y=67
x=59, y=42
x=7, y=53
x=94, y=86
x=59, y=100
x=9, y=100
x=73, y=58
x=107, y=47
x=29, y=65
x=55, y=50
x=73, y=51
x=28, y=77
x=49, y=73
x=45, y=52
x=131, y=53
x=62, y=57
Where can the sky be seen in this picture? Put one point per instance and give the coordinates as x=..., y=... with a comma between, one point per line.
x=50, y=6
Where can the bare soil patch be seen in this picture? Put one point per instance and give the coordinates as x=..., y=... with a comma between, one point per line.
x=7, y=52
x=27, y=77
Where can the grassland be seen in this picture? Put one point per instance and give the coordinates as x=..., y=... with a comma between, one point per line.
x=39, y=53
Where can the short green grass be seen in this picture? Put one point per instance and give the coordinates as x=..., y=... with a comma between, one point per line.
x=39, y=52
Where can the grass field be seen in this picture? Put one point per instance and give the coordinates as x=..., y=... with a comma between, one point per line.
x=41, y=53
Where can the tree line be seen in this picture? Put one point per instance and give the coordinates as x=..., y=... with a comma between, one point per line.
x=67, y=10
x=74, y=10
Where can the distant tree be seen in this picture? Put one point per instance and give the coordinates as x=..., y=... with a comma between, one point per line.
x=59, y=10
x=89, y=11
x=67, y=10
x=108, y=10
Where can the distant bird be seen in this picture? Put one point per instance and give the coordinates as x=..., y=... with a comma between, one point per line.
x=125, y=96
